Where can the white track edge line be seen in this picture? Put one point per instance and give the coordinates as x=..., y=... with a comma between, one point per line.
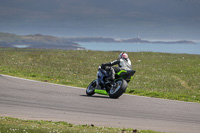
x=40, y=81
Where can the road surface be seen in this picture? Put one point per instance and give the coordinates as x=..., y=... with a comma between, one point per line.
x=35, y=100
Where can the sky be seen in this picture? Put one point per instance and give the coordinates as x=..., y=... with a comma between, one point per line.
x=147, y=19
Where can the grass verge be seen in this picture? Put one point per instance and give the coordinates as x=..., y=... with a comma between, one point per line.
x=162, y=75
x=14, y=125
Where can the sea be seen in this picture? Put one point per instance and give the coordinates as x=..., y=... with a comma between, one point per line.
x=144, y=47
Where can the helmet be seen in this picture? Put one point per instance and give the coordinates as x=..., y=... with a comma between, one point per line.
x=123, y=55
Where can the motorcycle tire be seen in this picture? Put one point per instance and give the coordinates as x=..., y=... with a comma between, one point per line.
x=117, y=90
x=91, y=88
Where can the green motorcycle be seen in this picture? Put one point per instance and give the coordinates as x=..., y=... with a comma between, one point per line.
x=102, y=85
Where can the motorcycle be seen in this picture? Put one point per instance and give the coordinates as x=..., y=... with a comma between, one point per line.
x=102, y=85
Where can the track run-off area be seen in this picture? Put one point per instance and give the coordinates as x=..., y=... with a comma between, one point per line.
x=35, y=100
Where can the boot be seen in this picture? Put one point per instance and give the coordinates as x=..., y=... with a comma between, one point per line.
x=112, y=81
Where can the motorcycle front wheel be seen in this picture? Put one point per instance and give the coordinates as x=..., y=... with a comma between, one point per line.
x=118, y=89
x=91, y=88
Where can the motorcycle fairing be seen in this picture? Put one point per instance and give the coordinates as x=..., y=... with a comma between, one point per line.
x=103, y=92
x=125, y=74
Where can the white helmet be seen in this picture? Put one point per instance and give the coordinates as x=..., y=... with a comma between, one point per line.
x=123, y=55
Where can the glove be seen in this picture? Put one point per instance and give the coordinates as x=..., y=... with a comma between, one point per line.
x=103, y=66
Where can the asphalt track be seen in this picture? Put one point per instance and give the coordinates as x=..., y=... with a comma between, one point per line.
x=35, y=100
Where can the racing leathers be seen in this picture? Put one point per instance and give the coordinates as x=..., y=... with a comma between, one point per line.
x=123, y=64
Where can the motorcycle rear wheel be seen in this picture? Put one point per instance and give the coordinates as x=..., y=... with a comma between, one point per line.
x=91, y=88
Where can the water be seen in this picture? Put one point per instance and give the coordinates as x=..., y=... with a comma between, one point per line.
x=21, y=46
x=144, y=47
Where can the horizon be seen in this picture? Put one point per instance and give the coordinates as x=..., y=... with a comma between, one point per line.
x=117, y=39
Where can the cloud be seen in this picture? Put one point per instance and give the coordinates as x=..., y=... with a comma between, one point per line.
x=116, y=9
x=140, y=16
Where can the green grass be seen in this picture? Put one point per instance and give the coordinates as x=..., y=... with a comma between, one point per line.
x=162, y=75
x=13, y=125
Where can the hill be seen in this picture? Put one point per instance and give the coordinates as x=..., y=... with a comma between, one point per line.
x=51, y=42
x=129, y=40
x=36, y=41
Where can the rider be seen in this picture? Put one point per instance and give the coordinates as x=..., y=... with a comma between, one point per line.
x=123, y=62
